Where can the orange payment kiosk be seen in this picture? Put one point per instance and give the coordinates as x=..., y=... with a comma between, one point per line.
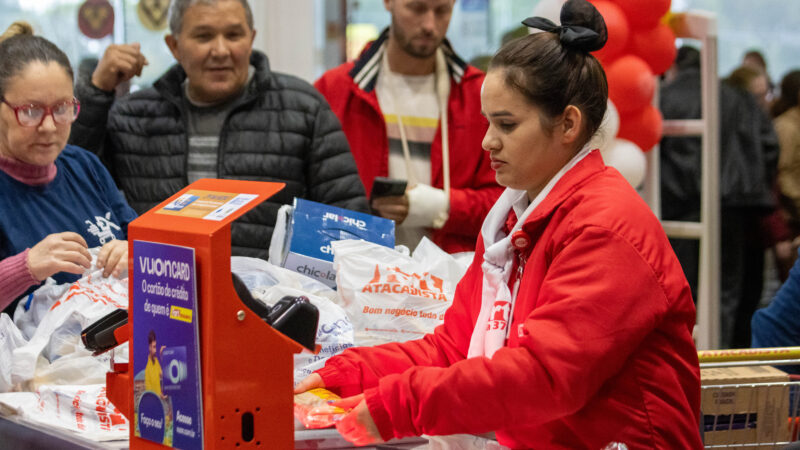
x=205, y=371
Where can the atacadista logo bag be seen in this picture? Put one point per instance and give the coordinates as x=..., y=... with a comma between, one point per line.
x=392, y=297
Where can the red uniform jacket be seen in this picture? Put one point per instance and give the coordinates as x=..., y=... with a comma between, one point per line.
x=350, y=91
x=600, y=348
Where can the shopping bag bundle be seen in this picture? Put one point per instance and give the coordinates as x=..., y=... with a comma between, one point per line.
x=390, y=296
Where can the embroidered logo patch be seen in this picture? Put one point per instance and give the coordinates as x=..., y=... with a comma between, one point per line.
x=499, y=315
x=102, y=228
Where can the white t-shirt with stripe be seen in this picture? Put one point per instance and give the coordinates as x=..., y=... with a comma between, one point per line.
x=413, y=98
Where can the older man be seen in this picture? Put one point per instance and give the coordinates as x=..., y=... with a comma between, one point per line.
x=219, y=113
x=410, y=108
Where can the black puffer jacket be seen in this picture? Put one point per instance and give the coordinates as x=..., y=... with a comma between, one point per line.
x=748, y=149
x=283, y=130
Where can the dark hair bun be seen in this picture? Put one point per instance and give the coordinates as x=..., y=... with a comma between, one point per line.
x=581, y=13
x=18, y=28
x=582, y=27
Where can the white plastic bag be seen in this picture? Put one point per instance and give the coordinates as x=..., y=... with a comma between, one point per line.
x=334, y=330
x=34, y=307
x=269, y=283
x=259, y=275
x=10, y=339
x=58, y=332
x=279, y=231
x=391, y=297
x=83, y=409
x=78, y=367
x=460, y=442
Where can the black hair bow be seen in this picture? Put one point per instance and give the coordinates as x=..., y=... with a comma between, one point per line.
x=572, y=36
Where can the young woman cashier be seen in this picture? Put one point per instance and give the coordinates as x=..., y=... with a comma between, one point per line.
x=572, y=328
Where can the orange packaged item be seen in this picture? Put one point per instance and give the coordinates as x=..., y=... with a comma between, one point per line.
x=311, y=408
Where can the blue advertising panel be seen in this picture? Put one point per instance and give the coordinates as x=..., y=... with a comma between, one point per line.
x=167, y=391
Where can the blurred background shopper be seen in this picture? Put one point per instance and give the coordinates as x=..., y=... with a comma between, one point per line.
x=410, y=107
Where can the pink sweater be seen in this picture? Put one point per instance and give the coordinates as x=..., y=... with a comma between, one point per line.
x=15, y=276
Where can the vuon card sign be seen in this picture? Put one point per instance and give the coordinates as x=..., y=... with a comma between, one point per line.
x=167, y=395
x=312, y=228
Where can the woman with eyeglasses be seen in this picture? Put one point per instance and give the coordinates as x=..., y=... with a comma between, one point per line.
x=56, y=200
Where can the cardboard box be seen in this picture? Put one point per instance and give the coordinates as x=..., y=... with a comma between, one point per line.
x=309, y=229
x=745, y=405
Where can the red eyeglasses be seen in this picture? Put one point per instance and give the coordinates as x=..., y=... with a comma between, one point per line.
x=33, y=115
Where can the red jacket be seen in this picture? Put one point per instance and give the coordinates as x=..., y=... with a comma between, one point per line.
x=600, y=348
x=473, y=187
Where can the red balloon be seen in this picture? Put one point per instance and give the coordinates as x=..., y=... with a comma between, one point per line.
x=631, y=83
x=618, y=30
x=643, y=14
x=643, y=128
x=656, y=46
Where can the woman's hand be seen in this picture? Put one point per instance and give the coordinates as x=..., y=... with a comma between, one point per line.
x=59, y=252
x=113, y=258
x=357, y=426
x=310, y=382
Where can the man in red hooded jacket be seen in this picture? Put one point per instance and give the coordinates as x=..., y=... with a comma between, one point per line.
x=410, y=108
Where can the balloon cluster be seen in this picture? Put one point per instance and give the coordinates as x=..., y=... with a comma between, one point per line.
x=639, y=47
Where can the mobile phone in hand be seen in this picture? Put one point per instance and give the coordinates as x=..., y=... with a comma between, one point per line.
x=387, y=187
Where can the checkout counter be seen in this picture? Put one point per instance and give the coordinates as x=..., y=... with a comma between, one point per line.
x=19, y=434
x=223, y=391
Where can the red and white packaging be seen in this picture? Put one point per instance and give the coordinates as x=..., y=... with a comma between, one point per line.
x=83, y=409
x=311, y=408
x=391, y=297
x=57, y=333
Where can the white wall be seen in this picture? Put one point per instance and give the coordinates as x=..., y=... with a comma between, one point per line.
x=285, y=32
